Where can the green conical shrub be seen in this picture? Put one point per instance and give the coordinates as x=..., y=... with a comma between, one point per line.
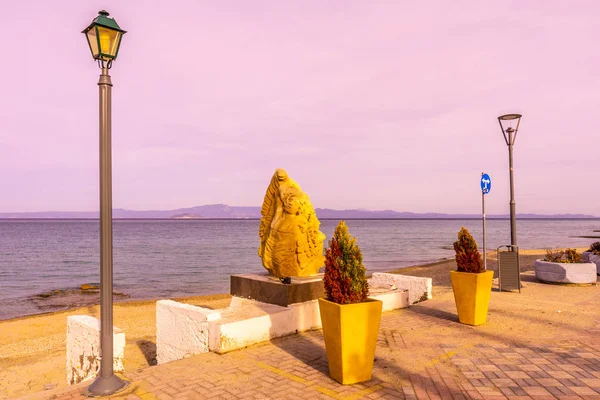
x=468, y=258
x=345, y=280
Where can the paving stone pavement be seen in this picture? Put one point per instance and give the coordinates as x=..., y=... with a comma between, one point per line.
x=422, y=353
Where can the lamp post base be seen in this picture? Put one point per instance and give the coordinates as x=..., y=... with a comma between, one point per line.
x=105, y=386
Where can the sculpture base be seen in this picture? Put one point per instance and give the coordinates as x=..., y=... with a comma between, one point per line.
x=269, y=289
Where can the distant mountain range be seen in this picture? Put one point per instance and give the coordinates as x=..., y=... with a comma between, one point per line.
x=222, y=211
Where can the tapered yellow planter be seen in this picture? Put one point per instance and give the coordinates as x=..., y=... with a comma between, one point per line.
x=472, y=295
x=350, y=332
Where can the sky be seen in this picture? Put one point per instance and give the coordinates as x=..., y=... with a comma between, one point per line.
x=366, y=104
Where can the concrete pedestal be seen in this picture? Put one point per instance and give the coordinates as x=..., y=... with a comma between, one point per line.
x=268, y=289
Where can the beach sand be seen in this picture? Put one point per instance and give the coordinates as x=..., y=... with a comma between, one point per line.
x=32, y=349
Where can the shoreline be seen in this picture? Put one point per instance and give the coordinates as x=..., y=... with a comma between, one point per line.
x=93, y=298
x=128, y=302
x=32, y=347
x=121, y=303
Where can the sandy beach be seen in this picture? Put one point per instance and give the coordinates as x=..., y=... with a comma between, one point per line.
x=32, y=349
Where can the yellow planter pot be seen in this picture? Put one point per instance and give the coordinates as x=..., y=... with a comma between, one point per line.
x=350, y=332
x=472, y=295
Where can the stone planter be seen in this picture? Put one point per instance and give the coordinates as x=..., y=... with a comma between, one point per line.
x=588, y=256
x=554, y=272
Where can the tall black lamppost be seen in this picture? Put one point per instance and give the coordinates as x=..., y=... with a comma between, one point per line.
x=510, y=134
x=104, y=38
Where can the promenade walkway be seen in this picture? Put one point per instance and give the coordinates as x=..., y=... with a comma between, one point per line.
x=543, y=343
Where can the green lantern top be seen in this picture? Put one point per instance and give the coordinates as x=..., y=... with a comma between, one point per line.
x=104, y=37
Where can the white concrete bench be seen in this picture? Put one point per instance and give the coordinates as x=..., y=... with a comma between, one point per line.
x=183, y=330
x=419, y=289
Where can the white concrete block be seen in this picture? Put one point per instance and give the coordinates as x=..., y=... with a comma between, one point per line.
x=588, y=256
x=596, y=260
x=246, y=322
x=419, y=289
x=565, y=272
x=304, y=316
x=392, y=300
x=83, y=344
x=181, y=330
x=585, y=256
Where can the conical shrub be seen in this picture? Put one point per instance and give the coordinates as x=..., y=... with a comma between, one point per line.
x=468, y=258
x=595, y=248
x=345, y=280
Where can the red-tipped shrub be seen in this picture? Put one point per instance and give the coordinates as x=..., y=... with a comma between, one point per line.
x=345, y=280
x=468, y=258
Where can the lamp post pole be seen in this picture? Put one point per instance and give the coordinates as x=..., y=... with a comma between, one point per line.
x=106, y=239
x=107, y=383
x=510, y=134
x=513, y=215
x=509, y=270
x=104, y=37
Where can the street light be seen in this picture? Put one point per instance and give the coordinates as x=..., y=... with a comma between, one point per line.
x=104, y=38
x=510, y=134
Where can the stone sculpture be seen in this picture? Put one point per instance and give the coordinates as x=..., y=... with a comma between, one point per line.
x=290, y=241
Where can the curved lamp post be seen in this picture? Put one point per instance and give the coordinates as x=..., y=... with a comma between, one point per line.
x=510, y=134
x=104, y=38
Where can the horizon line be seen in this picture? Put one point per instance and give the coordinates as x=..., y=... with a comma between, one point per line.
x=322, y=219
x=500, y=216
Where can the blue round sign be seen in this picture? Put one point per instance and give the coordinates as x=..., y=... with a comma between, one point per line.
x=486, y=183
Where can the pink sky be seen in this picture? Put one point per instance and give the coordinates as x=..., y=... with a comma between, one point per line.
x=366, y=104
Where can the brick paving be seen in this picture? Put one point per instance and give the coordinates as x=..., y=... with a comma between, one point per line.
x=422, y=353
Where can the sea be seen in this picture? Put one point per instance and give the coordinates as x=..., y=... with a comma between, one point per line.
x=43, y=263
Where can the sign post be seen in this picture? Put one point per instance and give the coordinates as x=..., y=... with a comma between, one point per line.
x=486, y=186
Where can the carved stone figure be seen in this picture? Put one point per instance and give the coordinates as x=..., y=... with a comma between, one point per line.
x=290, y=241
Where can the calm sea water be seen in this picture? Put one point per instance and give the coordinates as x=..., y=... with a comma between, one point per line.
x=176, y=258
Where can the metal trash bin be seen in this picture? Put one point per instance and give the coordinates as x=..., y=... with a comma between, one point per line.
x=509, y=273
